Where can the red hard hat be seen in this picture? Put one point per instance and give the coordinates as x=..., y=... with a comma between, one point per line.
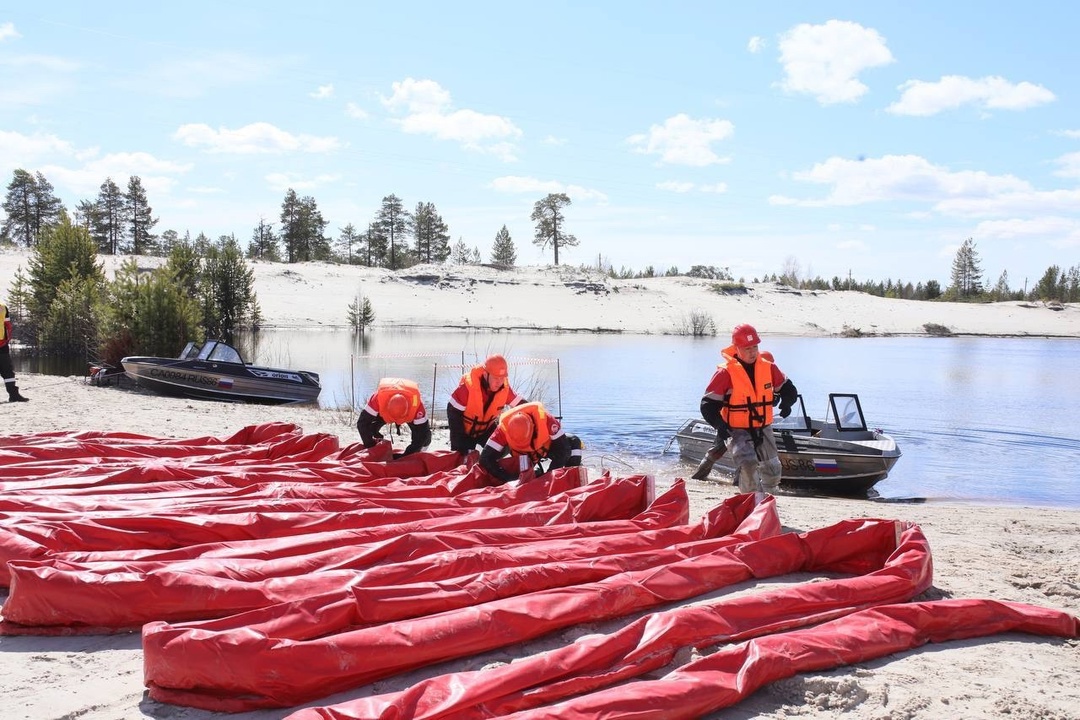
x=743, y=336
x=519, y=429
x=397, y=409
x=496, y=365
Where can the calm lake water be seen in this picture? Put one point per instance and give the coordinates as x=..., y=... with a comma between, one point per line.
x=981, y=419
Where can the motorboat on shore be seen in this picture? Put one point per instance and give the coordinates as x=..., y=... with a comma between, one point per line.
x=839, y=455
x=215, y=370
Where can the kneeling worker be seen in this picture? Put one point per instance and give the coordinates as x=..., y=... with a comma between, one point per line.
x=529, y=434
x=474, y=407
x=398, y=402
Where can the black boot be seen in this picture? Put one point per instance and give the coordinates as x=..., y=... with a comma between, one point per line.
x=14, y=396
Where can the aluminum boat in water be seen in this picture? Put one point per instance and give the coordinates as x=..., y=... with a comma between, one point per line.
x=839, y=455
x=215, y=370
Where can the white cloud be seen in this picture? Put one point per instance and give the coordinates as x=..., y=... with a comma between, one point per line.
x=157, y=175
x=1042, y=227
x=1070, y=165
x=716, y=188
x=517, y=184
x=756, y=44
x=952, y=91
x=280, y=182
x=675, y=186
x=1022, y=202
x=8, y=32
x=18, y=149
x=851, y=245
x=323, y=92
x=256, y=138
x=825, y=60
x=355, y=111
x=1074, y=134
x=682, y=140
x=552, y=140
x=427, y=110
x=899, y=178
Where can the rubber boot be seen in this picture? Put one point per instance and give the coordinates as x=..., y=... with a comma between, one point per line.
x=14, y=396
x=707, y=462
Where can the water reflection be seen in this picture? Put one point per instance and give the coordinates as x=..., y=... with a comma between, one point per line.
x=976, y=418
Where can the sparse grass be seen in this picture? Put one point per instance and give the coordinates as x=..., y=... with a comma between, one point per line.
x=851, y=332
x=937, y=330
x=696, y=323
x=729, y=288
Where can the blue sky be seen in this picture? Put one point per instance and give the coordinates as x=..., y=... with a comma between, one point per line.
x=869, y=138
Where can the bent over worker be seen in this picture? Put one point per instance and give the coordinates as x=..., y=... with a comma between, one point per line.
x=529, y=434
x=738, y=402
x=474, y=407
x=396, y=401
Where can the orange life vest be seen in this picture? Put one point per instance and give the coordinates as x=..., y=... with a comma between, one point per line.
x=388, y=387
x=5, y=325
x=537, y=448
x=750, y=405
x=479, y=417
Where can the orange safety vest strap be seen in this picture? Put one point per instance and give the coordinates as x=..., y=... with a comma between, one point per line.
x=750, y=404
x=478, y=417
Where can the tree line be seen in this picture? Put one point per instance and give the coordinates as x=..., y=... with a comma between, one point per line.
x=65, y=305
x=122, y=222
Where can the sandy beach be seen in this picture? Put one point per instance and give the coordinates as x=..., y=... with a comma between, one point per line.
x=1023, y=554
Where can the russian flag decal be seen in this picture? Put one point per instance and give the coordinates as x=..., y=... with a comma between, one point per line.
x=225, y=383
x=826, y=465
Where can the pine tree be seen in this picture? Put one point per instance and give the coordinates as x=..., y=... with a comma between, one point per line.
x=360, y=314
x=392, y=222
x=430, y=233
x=347, y=244
x=377, y=246
x=966, y=280
x=264, y=243
x=64, y=252
x=107, y=223
x=503, y=251
x=30, y=207
x=227, y=285
x=139, y=218
x=549, y=219
x=460, y=254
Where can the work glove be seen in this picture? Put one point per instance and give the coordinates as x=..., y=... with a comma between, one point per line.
x=785, y=410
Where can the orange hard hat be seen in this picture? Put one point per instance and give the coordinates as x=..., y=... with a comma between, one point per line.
x=743, y=336
x=519, y=429
x=496, y=365
x=397, y=409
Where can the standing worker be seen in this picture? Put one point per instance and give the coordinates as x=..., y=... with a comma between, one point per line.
x=396, y=401
x=529, y=434
x=7, y=370
x=738, y=402
x=474, y=407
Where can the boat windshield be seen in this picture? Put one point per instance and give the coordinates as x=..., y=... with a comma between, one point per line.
x=225, y=353
x=847, y=411
x=796, y=421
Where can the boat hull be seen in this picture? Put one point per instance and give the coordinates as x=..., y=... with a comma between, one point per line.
x=830, y=466
x=214, y=380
